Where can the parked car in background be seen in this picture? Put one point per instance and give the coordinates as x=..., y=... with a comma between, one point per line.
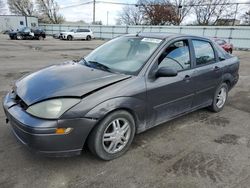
x=28, y=33
x=6, y=32
x=225, y=45
x=57, y=35
x=126, y=86
x=85, y=34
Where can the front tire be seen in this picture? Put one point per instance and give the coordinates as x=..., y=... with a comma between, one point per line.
x=220, y=98
x=19, y=37
x=69, y=37
x=88, y=38
x=112, y=136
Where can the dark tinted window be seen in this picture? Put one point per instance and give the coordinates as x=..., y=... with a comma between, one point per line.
x=176, y=56
x=83, y=30
x=204, y=52
x=33, y=24
x=25, y=29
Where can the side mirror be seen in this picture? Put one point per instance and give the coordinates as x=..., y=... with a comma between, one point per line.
x=222, y=58
x=166, y=72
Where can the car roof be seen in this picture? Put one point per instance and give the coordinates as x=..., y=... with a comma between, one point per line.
x=166, y=35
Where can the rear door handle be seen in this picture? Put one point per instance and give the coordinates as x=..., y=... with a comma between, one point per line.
x=187, y=78
x=216, y=68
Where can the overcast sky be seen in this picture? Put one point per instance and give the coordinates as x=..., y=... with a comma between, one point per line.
x=85, y=12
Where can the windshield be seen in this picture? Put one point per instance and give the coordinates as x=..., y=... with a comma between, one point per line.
x=25, y=29
x=124, y=54
x=72, y=30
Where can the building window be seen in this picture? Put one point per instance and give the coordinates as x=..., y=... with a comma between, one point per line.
x=21, y=22
x=33, y=24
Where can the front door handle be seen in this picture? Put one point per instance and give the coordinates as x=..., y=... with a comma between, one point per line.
x=187, y=78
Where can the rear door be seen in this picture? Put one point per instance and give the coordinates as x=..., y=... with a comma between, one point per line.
x=208, y=72
x=85, y=33
x=77, y=34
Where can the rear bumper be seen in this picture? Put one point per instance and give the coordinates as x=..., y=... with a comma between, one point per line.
x=39, y=134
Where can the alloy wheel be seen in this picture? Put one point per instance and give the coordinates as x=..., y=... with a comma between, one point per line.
x=116, y=135
x=221, y=97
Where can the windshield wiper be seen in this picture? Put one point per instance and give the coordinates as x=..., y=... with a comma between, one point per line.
x=97, y=65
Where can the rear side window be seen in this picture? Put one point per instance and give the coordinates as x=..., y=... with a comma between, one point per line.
x=83, y=30
x=204, y=53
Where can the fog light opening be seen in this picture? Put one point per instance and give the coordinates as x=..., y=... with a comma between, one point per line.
x=63, y=130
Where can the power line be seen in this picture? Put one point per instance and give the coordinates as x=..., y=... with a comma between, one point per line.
x=76, y=5
x=94, y=2
x=149, y=4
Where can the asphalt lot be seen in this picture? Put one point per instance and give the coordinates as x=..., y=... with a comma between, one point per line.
x=202, y=149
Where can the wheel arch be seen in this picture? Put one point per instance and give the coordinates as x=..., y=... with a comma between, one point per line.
x=132, y=105
x=69, y=36
x=228, y=79
x=88, y=36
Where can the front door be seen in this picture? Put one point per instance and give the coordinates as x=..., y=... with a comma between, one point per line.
x=170, y=96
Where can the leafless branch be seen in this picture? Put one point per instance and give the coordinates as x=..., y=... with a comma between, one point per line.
x=21, y=7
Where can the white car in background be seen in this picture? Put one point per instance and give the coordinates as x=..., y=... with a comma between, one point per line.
x=85, y=34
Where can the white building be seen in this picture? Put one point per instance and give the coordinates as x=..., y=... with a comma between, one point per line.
x=14, y=22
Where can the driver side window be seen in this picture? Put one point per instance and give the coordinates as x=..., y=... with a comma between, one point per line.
x=176, y=56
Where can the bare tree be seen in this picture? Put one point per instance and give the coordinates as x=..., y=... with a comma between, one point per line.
x=158, y=12
x=49, y=12
x=182, y=9
x=246, y=18
x=21, y=7
x=130, y=15
x=208, y=12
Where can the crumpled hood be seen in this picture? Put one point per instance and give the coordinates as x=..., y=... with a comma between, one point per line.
x=64, y=80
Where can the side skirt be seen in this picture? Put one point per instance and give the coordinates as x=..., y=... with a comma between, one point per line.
x=174, y=117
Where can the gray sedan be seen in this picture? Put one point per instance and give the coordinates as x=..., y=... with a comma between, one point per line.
x=124, y=87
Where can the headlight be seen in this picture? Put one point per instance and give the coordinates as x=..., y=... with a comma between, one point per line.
x=52, y=109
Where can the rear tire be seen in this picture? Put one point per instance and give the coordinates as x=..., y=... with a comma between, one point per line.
x=112, y=137
x=220, y=98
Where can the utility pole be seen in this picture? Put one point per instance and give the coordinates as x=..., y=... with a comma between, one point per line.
x=107, y=17
x=236, y=11
x=94, y=11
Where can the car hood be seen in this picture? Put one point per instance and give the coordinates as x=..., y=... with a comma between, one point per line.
x=64, y=80
x=13, y=32
x=67, y=33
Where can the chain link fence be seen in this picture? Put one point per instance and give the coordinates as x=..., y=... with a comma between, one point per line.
x=239, y=36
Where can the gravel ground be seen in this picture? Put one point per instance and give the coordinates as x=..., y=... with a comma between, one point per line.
x=201, y=149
